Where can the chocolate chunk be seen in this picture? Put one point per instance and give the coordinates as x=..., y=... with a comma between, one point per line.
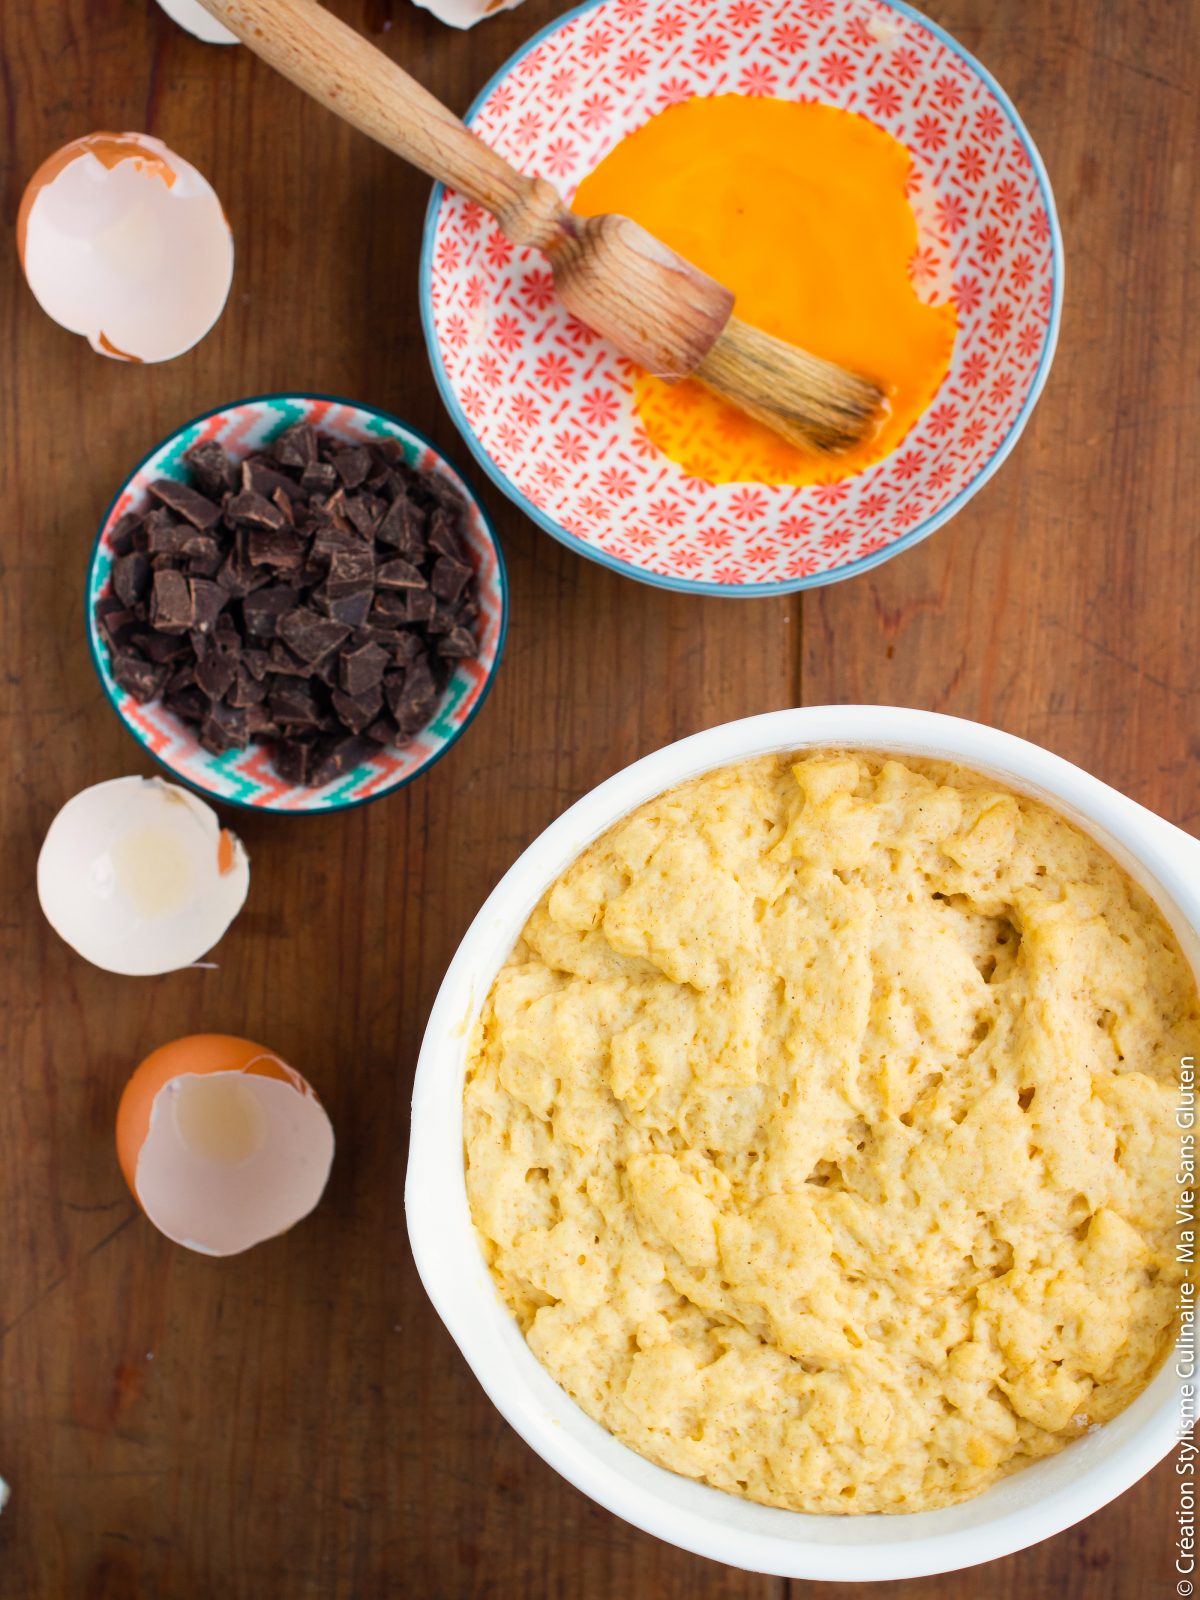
x=402, y=527
x=365, y=513
x=212, y=469
x=318, y=477
x=281, y=661
x=294, y=760
x=216, y=670
x=162, y=535
x=442, y=536
x=260, y=723
x=293, y=705
x=384, y=730
x=245, y=690
x=255, y=510
x=309, y=635
x=362, y=668
x=208, y=600
x=281, y=548
x=352, y=465
x=263, y=609
x=144, y=680
x=420, y=604
x=259, y=477
x=255, y=663
x=224, y=728
x=296, y=446
x=186, y=502
x=329, y=540
x=335, y=756
x=190, y=704
x=458, y=644
x=350, y=609
x=202, y=555
x=449, y=578
x=171, y=602
x=131, y=577
x=399, y=574
x=350, y=571
x=120, y=540
x=164, y=646
x=357, y=712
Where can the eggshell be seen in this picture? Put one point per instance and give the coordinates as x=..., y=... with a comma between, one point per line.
x=222, y=1143
x=123, y=241
x=192, y=16
x=138, y=876
x=466, y=13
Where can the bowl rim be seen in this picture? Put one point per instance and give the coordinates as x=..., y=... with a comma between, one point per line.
x=818, y=580
x=451, y=1265
x=292, y=396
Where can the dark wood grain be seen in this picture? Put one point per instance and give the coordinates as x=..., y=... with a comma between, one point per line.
x=296, y=1423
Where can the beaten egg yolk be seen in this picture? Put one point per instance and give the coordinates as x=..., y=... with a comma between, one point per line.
x=801, y=209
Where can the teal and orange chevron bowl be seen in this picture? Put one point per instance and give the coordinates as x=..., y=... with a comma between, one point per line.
x=247, y=777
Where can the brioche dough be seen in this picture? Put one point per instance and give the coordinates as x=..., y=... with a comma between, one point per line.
x=820, y=1131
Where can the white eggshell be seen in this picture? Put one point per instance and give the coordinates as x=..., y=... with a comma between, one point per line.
x=190, y=14
x=126, y=243
x=465, y=13
x=137, y=876
x=232, y=1159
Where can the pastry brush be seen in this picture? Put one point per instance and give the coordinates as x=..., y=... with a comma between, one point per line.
x=657, y=308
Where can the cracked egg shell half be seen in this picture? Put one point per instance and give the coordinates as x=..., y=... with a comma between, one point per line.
x=123, y=241
x=138, y=876
x=222, y=1144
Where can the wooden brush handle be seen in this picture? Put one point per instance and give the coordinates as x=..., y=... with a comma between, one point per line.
x=346, y=73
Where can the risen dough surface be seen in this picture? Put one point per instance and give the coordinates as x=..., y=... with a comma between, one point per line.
x=820, y=1131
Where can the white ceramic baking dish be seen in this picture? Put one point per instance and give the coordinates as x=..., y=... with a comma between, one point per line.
x=1032, y=1504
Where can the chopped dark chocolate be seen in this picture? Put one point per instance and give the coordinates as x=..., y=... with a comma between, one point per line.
x=170, y=602
x=458, y=644
x=202, y=555
x=317, y=597
x=400, y=574
x=254, y=509
x=208, y=599
x=350, y=571
x=362, y=668
x=212, y=469
x=224, y=728
x=351, y=609
x=335, y=756
x=297, y=446
x=263, y=609
x=282, y=548
x=356, y=712
x=120, y=540
x=131, y=577
x=144, y=680
x=216, y=671
x=261, y=478
x=187, y=502
x=449, y=579
x=353, y=465
x=318, y=477
x=310, y=635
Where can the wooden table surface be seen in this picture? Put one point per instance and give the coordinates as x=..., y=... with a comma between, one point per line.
x=296, y=1423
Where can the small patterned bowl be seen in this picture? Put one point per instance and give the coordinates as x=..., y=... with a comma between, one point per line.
x=546, y=406
x=246, y=777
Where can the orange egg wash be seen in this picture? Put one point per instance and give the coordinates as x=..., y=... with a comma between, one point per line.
x=801, y=210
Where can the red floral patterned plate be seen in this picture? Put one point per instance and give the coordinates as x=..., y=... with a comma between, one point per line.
x=547, y=406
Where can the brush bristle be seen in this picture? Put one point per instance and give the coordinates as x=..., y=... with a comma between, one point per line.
x=807, y=401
